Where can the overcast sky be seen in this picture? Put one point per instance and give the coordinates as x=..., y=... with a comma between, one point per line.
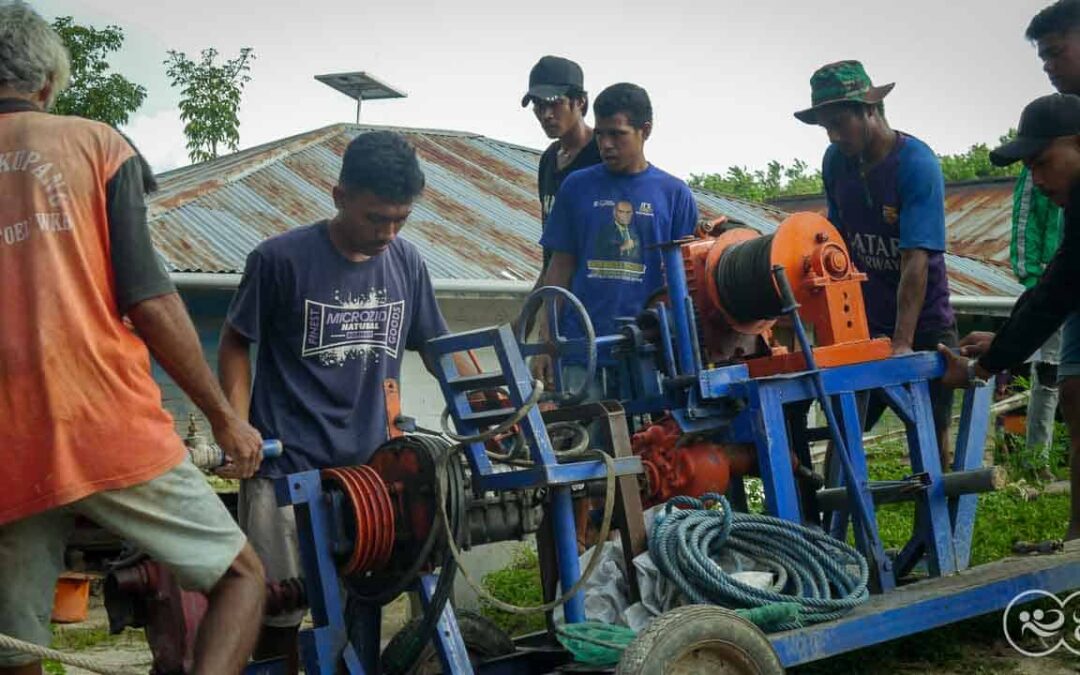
x=724, y=76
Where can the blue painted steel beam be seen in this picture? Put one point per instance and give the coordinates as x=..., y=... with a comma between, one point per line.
x=914, y=608
x=864, y=518
x=774, y=454
x=324, y=647
x=931, y=504
x=565, y=531
x=970, y=439
x=449, y=644
x=717, y=383
x=682, y=319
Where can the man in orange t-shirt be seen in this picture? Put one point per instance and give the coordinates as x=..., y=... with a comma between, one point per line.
x=82, y=430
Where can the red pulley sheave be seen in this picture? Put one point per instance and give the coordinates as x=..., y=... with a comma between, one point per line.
x=368, y=499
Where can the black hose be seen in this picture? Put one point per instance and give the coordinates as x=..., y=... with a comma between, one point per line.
x=444, y=460
x=744, y=281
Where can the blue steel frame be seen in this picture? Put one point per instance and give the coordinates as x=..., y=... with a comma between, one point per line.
x=548, y=472
x=325, y=648
x=701, y=402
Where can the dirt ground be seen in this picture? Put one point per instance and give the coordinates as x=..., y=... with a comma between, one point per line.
x=130, y=653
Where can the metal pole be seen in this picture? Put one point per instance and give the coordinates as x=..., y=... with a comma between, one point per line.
x=678, y=295
x=359, y=100
x=562, y=515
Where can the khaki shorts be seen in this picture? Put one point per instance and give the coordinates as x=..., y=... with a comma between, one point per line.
x=176, y=518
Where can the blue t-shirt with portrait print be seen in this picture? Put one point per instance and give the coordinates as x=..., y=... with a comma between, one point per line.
x=611, y=223
x=330, y=332
x=896, y=204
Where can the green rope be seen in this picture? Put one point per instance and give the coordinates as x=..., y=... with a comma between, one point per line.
x=601, y=644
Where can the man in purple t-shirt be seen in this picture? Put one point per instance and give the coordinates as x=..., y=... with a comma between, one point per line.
x=885, y=194
x=332, y=307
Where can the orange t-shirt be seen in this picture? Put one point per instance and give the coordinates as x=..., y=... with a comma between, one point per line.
x=79, y=410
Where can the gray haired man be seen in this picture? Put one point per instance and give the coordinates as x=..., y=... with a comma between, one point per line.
x=83, y=430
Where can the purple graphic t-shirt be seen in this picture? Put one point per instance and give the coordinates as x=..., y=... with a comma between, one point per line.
x=897, y=204
x=330, y=332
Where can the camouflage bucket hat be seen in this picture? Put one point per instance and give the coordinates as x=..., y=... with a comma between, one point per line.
x=839, y=82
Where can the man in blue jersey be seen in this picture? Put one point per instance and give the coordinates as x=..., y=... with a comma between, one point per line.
x=885, y=193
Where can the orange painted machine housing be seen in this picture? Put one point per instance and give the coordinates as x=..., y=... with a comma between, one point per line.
x=826, y=285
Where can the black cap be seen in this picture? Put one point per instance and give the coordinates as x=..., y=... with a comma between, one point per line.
x=552, y=77
x=1043, y=120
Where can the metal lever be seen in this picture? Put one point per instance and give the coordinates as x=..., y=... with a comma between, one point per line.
x=210, y=456
x=858, y=494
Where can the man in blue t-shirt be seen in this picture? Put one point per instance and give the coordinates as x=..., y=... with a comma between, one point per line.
x=886, y=196
x=608, y=219
x=332, y=306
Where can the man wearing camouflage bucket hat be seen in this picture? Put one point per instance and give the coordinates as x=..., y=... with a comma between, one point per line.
x=885, y=194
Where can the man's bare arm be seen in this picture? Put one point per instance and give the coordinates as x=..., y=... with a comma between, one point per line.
x=234, y=369
x=914, y=269
x=164, y=324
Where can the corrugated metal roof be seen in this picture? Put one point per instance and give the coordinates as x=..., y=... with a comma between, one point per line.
x=478, y=219
x=978, y=217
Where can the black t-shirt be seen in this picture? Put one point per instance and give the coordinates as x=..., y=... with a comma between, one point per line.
x=549, y=178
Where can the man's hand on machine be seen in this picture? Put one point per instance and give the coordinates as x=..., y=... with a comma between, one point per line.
x=959, y=370
x=542, y=370
x=241, y=443
x=976, y=344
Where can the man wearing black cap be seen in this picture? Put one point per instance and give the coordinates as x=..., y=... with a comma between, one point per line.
x=1048, y=142
x=558, y=98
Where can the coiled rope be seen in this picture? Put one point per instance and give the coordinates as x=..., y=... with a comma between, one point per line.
x=825, y=576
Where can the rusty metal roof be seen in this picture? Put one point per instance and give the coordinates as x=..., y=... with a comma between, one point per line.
x=478, y=220
x=978, y=218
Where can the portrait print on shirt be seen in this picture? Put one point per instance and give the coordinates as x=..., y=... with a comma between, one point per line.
x=617, y=248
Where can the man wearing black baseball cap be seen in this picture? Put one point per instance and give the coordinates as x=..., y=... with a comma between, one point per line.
x=1048, y=142
x=558, y=97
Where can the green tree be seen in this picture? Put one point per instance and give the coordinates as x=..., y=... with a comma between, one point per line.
x=209, y=99
x=779, y=180
x=975, y=163
x=776, y=180
x=95, y=92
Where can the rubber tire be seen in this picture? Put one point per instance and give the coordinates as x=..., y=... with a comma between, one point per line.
x=674, y=633
x=483, y=640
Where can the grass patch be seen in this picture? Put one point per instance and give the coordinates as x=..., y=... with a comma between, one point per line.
x=517, y=584
x=69, y=638
x=1003, y=517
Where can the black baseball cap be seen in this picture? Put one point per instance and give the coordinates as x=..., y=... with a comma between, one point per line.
x=1043, y=120
x=552, y=77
